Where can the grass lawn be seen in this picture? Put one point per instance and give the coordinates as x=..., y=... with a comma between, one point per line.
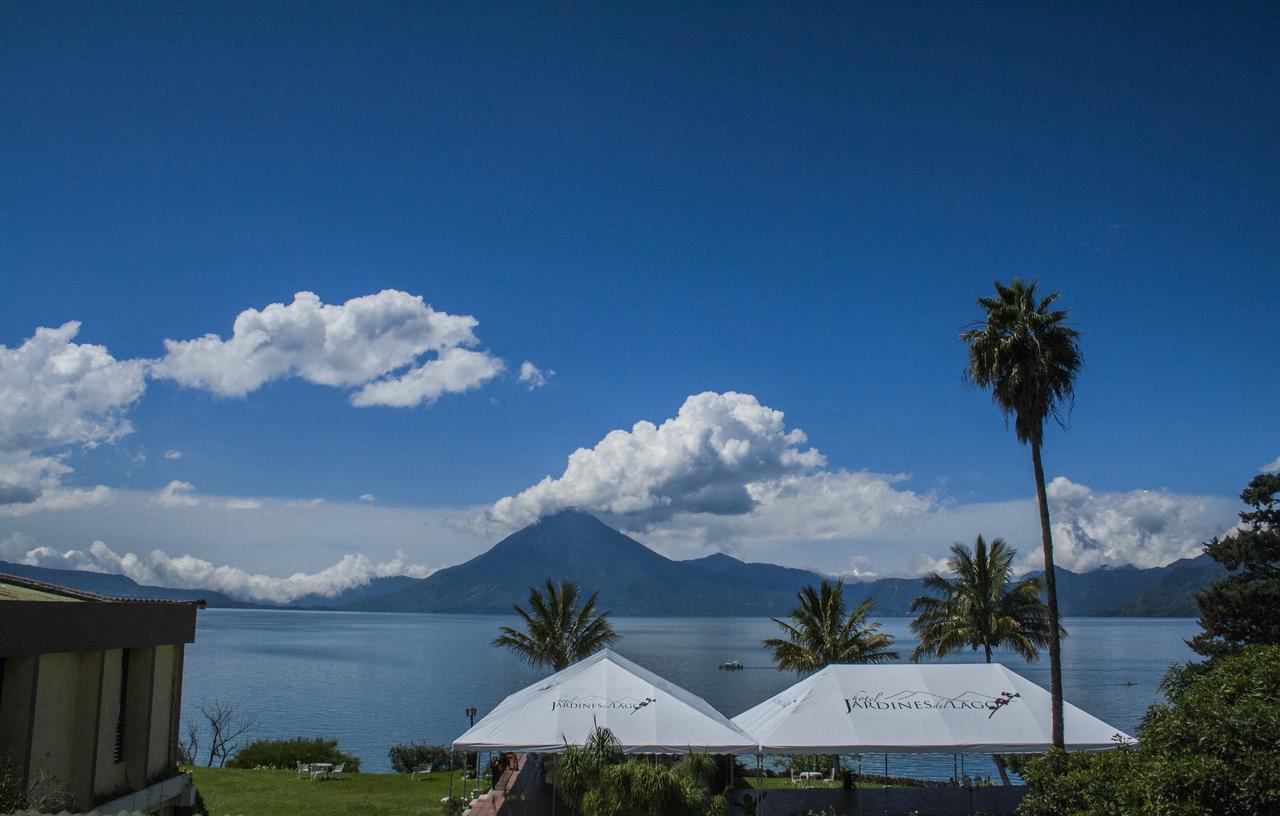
x=229, y=792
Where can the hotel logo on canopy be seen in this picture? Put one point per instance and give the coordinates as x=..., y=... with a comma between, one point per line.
x=593, y=702
x=928, y=701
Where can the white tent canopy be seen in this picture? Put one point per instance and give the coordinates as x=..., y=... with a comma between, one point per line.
x=645, y=712
x=956, y=708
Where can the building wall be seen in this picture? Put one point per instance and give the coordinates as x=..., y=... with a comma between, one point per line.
x=85, y=727
x=55, y=720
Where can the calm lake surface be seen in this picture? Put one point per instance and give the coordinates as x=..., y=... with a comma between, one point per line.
x=373, y=680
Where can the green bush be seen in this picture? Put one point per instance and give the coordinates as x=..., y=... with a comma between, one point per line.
x=597, y=779
x=418, y=756
x=637, y=788
x=1213, y=748
x=286, y=754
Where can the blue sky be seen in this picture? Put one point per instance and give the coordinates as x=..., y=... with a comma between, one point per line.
x=799, y=204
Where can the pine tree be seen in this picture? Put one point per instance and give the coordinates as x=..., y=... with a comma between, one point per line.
x=1241, y=608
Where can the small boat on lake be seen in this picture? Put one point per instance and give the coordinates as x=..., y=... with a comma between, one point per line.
x=731, y=665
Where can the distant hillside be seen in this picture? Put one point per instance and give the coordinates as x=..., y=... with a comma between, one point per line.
x=120, y=586
x=768, y=576
x=1172, y=594
x=631, y=578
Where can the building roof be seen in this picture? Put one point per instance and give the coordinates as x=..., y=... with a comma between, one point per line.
x=16, y=588
x=42, y=618
x=13, y=588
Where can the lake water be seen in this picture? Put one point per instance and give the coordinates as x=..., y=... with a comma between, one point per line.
x=373, y=680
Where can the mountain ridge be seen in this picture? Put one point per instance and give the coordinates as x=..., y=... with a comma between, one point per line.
x=632, y=579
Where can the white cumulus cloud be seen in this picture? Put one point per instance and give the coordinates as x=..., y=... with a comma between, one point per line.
x=455, y=370
x=533, y=376
x=700, y=461
x=243, y=504
x=1145, y=528
x=176, y=494
x=375, y=341
x=173, y=455
x=55, y=393
x=186, y=571
x=1271, y=467
x=368, y=497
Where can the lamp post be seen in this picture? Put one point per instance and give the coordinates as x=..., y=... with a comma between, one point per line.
x=471, y=718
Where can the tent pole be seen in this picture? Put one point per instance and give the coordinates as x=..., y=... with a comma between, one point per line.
x=452, y=762
x=759, y=778
x=858, y=788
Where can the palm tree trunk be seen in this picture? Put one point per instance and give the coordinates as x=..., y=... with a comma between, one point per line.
x=987, y=646
x=1051, y=597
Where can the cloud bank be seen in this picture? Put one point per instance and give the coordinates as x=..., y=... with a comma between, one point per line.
x=186, y=571
x=1145, y=528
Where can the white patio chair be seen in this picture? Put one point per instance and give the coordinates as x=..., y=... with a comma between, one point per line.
x=336, y=773
x=304, y=769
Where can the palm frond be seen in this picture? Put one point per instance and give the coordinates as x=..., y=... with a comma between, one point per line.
x=557, y=631
x=981, y=605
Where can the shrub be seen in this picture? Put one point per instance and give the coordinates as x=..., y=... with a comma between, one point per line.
x=286, y=754
x=415, y=756
x=1214, y=748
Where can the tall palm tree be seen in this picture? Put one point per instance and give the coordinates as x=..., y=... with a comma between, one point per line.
x=820, y=632
x=1029, y=358
x=557, y=631
x=983, y=606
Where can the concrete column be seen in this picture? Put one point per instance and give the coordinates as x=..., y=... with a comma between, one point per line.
x=88, y=722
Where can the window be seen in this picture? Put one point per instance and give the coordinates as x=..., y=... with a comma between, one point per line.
x=118, y=754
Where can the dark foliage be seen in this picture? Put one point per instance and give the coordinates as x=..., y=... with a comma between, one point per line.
x=1213, y=748
x=1242, y=607
x=286, y=754
x=419, y=757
